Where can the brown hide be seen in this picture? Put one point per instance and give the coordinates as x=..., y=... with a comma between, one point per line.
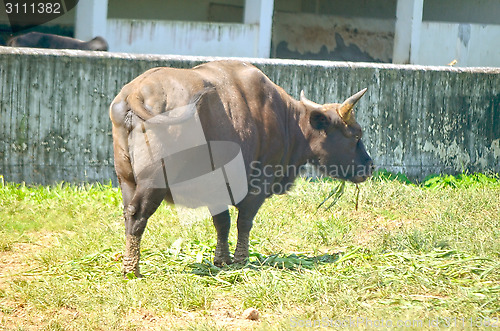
x=45, y=40
x=235, y=102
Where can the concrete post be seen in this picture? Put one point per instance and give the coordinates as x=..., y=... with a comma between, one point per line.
x=91, y=17
x=261, y=12
x=407, y=36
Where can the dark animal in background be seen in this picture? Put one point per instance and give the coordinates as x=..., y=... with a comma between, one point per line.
x=45, y=40
x=235, y=102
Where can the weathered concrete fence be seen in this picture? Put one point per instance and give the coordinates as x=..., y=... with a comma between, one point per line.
x=54, y=121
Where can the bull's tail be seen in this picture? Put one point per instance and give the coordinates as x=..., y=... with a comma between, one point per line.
x=137, y=106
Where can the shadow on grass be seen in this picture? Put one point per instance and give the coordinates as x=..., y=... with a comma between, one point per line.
x=292, y=262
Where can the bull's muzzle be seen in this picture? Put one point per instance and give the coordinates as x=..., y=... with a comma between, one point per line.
x=364, y=173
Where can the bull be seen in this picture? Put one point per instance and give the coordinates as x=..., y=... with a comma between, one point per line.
x=232, y=102
x=46, y=40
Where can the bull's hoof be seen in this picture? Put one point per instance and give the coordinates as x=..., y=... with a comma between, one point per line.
x=241, y=255
x=243, y=260
x=222, y=261
x=131, y=268
x=132, y=274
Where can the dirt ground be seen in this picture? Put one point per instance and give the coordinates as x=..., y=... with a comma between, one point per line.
x=15, y=267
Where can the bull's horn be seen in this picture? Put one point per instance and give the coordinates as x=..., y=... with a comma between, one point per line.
x=345, y=110
x=307, y=102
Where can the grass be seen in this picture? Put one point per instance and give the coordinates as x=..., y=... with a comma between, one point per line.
x=426, y=253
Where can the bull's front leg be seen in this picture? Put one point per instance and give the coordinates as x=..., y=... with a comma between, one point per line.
x=247, y=209
x=222, y=223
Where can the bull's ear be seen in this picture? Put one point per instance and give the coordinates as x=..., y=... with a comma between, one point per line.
x=319, y=120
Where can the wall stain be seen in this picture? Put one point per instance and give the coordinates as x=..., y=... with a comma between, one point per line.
x=464, y=33
x=305, y=36
x=342, y=52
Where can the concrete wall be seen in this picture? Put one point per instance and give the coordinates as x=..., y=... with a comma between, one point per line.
x=54, y=121
x=182, y=38
x=362, y=30
x=250, y=37
x=464, y=33
x=470, y=44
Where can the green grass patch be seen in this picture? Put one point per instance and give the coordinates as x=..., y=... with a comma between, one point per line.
x=426, y=252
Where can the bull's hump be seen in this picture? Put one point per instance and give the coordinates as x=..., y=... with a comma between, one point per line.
x=227, y=64
x=226, y=71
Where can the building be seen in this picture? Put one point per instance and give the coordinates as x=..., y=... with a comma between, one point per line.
x=427, y=32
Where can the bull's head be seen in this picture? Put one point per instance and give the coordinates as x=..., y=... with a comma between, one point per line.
x=335, y=139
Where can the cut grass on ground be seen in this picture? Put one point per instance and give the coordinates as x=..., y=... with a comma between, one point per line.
x=411, y=254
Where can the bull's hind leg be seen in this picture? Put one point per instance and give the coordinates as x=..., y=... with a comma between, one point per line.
x=222, y=223
x=128, y=191
x=137, y=213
